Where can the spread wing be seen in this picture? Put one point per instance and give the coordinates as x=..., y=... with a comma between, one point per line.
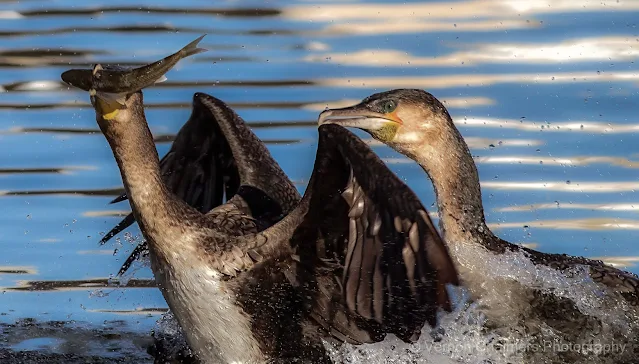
x=214, y=158
x=393, y=264
x=368, y=253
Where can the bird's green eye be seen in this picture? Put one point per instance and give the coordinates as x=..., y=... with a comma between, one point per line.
x=389, y=106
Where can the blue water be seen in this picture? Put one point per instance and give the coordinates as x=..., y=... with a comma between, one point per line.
x=551, y=86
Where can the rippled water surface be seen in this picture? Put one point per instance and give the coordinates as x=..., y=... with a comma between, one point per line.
x=545, y=93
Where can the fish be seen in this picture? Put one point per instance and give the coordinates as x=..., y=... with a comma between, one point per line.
x=115, y=83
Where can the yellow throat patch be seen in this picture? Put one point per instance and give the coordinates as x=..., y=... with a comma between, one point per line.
x=108, y=109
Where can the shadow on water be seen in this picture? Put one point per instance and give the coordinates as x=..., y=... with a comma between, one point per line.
x=83, y=284
x=32, y=341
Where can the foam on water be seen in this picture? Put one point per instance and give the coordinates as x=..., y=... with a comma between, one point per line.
x=501, y=281
x=460, y=338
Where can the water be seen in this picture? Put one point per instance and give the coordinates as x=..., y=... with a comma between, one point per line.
x=543, y=91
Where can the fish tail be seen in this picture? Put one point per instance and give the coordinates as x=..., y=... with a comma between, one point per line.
x=191, y=48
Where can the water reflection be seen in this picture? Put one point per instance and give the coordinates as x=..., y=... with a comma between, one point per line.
x=572, y=161
x=86, y=192
x=564, y=186
x=478, y=80
x=620, y=262
x=556, y=126
x=451, y=102
x=17, y=270
x=59, y=170
x=576, y=50
x=584, y=206
x=80, y=284
x=450, y=10
x=573, y=224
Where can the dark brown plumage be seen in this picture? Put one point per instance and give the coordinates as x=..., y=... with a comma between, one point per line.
x=266, y=275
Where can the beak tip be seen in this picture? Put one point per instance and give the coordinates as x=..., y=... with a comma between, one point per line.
x=322, y=119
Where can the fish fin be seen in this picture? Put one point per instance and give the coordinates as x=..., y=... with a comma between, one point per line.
x=191, y=48
x=111, y=97
x=161, y=79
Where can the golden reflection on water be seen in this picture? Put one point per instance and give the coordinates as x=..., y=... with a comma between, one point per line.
x=572, y=206
x=620, y=262
x=476, y=80
x=575, y=50
x=479, y=143
x=568, y=161
x=449, y=10
x=102, y=213
x=451, y=102
x=565, y=186
x=573, y=224
x=397, y=26
x=558, y=126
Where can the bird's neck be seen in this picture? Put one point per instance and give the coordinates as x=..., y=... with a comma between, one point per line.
x=139, y=165
x=456, y=182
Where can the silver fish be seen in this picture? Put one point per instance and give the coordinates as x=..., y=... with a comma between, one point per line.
x=115, y=83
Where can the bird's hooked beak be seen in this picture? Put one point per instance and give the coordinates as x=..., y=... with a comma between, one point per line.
x=382, y=126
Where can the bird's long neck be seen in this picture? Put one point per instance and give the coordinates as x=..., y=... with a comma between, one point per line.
x=133, y=148
x=456, y=181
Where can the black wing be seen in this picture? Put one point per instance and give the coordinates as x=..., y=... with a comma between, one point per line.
x=370, y=258
x=394, y=266
x=215, y=156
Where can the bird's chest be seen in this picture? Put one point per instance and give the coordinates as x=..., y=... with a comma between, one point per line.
x=216, y=327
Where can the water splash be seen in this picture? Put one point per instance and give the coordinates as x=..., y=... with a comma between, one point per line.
x=512, y=289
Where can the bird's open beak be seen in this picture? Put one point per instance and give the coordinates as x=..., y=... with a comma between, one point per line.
x=360, y=117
